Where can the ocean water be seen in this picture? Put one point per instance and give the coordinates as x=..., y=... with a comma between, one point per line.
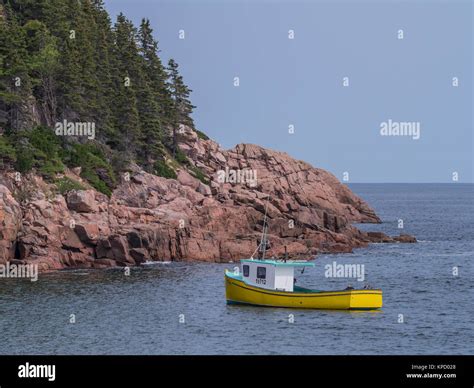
x=141, y=314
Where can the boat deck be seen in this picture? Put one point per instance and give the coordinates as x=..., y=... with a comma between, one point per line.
x=296, y=289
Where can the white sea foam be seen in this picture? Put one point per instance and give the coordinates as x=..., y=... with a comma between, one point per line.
x=149, y=262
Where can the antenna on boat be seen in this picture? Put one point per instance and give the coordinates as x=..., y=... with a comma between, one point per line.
x=263, y=241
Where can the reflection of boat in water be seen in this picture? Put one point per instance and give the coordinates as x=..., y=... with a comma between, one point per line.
x=264, y=282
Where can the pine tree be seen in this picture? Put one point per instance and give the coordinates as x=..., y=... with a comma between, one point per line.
x=181, y=107
x=155, y=70
x=15, y=83
x=71, y=63
x=43, y=66
x=149, y=96
x=126, y=78
x=103, y=89
x=70, y=88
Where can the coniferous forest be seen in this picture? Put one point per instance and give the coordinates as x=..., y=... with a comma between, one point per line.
x=67, y=60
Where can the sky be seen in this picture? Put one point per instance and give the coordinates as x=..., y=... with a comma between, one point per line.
x=297, y=85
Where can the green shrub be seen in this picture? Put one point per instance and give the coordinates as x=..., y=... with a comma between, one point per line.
x=181, y=157
x=163, y=170
x=39, y=148
x=45, y=140
x=95, y=168
x=7, y=151
x=197, y=173
x=24, y=159
x=202, y=135
x=66, y=184
x=96, y=182
x=50, y=168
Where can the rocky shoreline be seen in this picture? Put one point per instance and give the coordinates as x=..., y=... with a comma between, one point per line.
x=185, y=219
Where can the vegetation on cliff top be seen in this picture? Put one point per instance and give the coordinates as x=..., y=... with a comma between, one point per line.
x=65, y=60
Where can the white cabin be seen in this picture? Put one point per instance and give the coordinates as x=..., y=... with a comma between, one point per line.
x=276, y=275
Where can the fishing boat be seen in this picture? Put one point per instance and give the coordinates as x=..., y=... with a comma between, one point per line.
x=271, y=283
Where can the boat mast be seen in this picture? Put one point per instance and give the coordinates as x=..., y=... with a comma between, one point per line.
x=263, y=241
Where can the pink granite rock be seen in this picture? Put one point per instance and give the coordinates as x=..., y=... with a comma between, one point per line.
x=154, y=218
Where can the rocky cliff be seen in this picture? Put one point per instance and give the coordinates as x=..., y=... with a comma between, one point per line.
x=154, y=218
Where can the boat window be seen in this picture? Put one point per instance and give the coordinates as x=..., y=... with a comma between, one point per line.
x=246, y=271
x=261, y=273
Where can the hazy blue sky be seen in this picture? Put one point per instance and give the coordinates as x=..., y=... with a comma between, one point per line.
x=300, y=81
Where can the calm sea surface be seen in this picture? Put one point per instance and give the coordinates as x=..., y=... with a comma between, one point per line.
x=140, y=314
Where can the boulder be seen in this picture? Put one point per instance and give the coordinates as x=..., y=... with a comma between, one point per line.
x=102, y=249
x=119, y=249
x=379, y=237
x=204, y=189
x=186, y=179
x=82, y=201
x=405, y=238
x=87, y=233
x=140, y=255
x=69, y=239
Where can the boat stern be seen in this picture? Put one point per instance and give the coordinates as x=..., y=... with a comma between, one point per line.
x=365, y=300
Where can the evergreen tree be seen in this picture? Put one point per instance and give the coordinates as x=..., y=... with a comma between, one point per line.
x=150, y=94
x=126, y=80
x=154, y=67
x=63, y=59
x=181, y=107
x=43, y=67
x=104, y=64
x=15, y=83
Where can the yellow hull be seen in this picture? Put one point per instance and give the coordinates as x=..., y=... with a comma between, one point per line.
x=238, y=292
